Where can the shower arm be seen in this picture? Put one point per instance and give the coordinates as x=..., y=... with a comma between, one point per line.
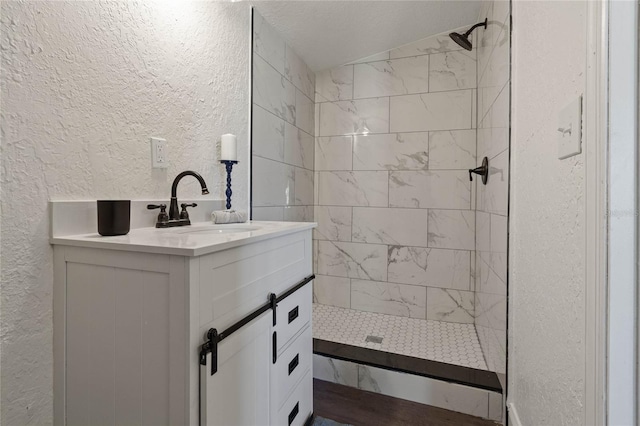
x=480, y=24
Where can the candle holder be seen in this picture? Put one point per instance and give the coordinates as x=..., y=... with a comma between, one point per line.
x=229, y=164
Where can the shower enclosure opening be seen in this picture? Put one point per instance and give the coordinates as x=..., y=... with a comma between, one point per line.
x=410, y=255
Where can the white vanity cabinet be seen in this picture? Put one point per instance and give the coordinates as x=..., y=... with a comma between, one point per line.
x=129, y=327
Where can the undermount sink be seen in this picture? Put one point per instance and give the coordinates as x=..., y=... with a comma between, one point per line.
x=215, y=229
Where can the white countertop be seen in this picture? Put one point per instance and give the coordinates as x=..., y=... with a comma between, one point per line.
x=195, y=240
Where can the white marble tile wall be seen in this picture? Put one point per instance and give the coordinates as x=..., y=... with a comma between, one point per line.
x=283, y=129
x=335, y=371
x=454, y=397
x=394, y=204
x=492, y=199
x=423, y=390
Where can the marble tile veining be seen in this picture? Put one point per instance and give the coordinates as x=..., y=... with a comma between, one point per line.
x=354, y=117
x=390, y=226
x=444, y=189
x=431, y=111
x=335, y=370
x=452, y=71
x=268, y=135
x=352, y=260
x=305, y=113
x=394, y=77
x=334, y=223
x=453, y=343
x=454, y=149
x=299, y=147
x=303, y=190
x=298, y=73
x=335, y=84
x=488, y=281
x=273, y=183
x=298, y=213
x=334, y=153
x=272, y=91
x=450, y=305
x=453, y=229
x=388, y=298
x=354, y=189
x=267, y=43
x=430, y=267
x=399, y=151
x=424, y=390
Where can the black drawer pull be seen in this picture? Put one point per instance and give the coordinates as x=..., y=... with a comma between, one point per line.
x=294, y=363
x=293, y=314
x=275, y=347
x=294, y=413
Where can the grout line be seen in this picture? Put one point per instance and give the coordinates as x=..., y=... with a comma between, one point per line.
x=389, y=245
x=351, y=233
x=398, y=95
x=353, y=81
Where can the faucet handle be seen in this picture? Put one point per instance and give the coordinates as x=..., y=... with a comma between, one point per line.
x=163, y=217
x=183, y=213
x=162, y=207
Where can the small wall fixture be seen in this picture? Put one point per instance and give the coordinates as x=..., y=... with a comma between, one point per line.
x=481, y=171
x=463, y=39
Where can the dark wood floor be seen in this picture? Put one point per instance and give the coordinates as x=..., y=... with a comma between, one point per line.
x=361, y=408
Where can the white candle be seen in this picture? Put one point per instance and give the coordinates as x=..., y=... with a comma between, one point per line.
x=228, y=151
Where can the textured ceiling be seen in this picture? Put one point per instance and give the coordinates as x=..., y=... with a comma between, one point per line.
x=330, y=33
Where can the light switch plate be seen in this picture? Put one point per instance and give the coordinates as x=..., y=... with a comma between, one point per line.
x=570, y=130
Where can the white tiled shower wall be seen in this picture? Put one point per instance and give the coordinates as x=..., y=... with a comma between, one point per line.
x=282, y=129
x=395, y=136
x=491, y=202
x=400, y=228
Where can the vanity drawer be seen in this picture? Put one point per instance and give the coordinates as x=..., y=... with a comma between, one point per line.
x=292, y=314
x=299, y=406
x=291, y=365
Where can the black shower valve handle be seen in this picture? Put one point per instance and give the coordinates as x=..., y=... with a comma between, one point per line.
x=478, y=170
x=483, y=171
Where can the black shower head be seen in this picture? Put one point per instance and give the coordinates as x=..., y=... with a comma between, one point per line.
x=463, y=39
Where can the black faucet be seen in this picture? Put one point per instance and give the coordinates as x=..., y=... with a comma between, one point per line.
x=174, y=218
x=173, y=207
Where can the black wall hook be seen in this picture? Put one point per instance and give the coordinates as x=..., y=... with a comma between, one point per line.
x=482, y=171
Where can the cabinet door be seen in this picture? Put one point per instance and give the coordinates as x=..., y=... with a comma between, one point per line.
x=238, y=393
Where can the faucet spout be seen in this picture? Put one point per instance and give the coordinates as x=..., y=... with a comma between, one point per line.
x=173, y=208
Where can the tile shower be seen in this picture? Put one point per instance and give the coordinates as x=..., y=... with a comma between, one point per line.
x=395, y=220
x=282, y=129
x=404, y=240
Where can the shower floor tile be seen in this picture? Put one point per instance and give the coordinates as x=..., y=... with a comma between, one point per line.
x=447, y=342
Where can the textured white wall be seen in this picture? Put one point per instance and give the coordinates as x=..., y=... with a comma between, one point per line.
x=84, y=86
x=547, y=263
